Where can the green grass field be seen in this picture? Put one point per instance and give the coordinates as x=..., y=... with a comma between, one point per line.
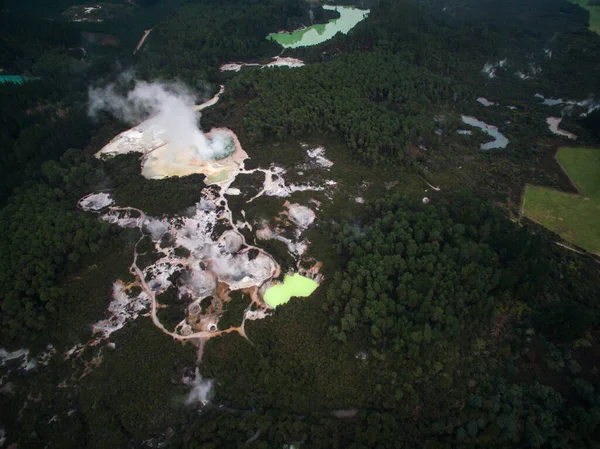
x=583, y=166
x=573, y=217
x=594, y=13
x=576, y=218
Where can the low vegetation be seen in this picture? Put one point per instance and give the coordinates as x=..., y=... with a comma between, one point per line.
x=593, y=7
x=583, y=167
x=575, y=217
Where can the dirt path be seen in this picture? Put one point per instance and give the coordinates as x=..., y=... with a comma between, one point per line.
x=142, y=40
x=197, y=337
x=139, y=275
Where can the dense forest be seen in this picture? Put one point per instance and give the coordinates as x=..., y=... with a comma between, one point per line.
x=379, y=103
x=437, y=325
x=33, y=133
x=39, y=119
x=201, y=36
x=42, y=234
x=429, y=363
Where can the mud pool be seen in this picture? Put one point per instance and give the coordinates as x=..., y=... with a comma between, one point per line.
x=553, y=126
x=278, y=61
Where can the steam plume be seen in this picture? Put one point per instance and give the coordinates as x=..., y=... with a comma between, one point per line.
x=201, y=390
x=170, y=108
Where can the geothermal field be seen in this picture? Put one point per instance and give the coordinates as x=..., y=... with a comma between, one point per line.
x=206, y=254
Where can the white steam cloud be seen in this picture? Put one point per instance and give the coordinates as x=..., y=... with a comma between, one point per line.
x=157, y=228
x=170, y=108
x=201, y=390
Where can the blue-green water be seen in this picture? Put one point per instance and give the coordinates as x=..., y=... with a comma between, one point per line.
x=315, y=34
x=16, y=79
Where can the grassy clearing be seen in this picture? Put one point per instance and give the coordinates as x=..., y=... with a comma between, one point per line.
x=576, y=218
x=583, y=166
x=573, y=217
x=594, y=10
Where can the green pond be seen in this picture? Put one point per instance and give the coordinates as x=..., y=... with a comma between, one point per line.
x=295, y=285
x=316, y=34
